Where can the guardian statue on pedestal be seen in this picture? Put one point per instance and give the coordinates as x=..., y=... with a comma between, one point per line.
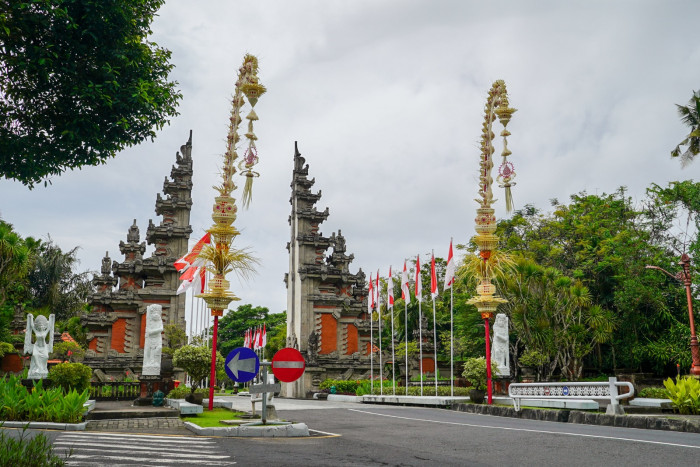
x=153, y=345
x=40, y=349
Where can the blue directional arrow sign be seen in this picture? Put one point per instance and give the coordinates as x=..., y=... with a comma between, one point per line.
x=242, y=364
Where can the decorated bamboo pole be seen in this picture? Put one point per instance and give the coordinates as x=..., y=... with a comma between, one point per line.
x=221, y=257
x=485, y=301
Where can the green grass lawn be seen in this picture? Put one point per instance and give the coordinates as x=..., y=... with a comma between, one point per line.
x=211, y=418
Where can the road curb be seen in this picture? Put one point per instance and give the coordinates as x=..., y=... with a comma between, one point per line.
x=586, y=418
x=294, y=430
x=46, y=425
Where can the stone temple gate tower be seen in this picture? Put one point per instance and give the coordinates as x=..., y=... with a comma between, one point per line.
x=123, y=290
x=327, y=316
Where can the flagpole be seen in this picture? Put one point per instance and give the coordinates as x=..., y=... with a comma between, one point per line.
x=371, y=352
x=405, y=338
x=435, y=349
x=452, y=343
x=379, y=323
x=420, y=343
x=393, y=357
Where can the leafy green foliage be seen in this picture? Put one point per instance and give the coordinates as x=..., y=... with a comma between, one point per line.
x=68, y=351
x=232, y=328
x=175, y=337
x=341, y=386
x=196, y=361
x=690, y=117
x=71, y=376
x=653, y=393
x=684, y=394
x=181, y=391
x=79, y=82
x=34, y=451
x=475, y=371
x=39, y=404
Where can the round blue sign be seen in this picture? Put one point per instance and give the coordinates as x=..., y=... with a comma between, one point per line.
x=242, y=364
x=565, y=391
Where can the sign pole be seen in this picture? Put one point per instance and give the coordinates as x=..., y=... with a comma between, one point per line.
x=264, y=394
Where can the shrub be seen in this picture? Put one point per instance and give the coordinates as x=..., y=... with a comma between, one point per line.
x=71, y=376
x=196, y=361
x=684, y=394
x=475, y=371
x=68, y=351
x=5, y=348
x=181, y=391
x=341, y=386
x=39, y=404
x=35, y=451
x=654, y=393
x=532, y=359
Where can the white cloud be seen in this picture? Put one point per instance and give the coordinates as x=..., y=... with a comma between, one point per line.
x=386, y=100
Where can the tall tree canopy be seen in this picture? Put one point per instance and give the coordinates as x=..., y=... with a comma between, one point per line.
x=79, y=81
x=690, y=116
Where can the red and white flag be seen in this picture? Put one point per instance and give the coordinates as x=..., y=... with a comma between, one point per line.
x=390, y=290
x=193, y=277
x=405, y=293
x=433, y=278
x=264, y=336
x=370, y=296
x=255, y=339
x=450, y=269
x=246, y=338
x=419, y=282
x=376, y=291
x=190, y=259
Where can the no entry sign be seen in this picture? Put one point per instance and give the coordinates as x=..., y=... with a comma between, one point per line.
x=288, y=365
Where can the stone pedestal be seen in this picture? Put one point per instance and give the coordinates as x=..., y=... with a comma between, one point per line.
x=149, y=384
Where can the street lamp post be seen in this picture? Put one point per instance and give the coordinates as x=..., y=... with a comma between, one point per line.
x=684, y=277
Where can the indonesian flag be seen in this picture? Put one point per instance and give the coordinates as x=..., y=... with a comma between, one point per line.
x=390, y=290
x=376, y=291
x=263, y=340
x=190, y=259
x=419, y=282
x=246, y=339
x=433, y=278
x=405, y=293
x=193, y=277
x=255, y=339
x=370, y=297
x=450, y=269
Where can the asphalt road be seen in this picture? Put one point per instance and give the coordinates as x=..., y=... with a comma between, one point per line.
x=363, y=435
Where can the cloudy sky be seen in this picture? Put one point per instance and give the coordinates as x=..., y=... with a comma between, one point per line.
x=385, y=99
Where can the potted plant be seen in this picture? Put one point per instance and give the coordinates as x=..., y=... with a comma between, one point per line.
x=530, y=362
x=196, y=361
x=475, y=373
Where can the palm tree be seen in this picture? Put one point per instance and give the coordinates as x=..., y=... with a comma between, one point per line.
x=690, y=115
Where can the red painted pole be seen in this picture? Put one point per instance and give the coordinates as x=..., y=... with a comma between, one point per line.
x=212, y=377
x=489, y=388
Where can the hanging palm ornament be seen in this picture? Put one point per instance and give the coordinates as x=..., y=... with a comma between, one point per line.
x=252, y=90
x=221, y=256
x=486, y=301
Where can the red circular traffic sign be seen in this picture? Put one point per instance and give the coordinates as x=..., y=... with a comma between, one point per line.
x=288, y=365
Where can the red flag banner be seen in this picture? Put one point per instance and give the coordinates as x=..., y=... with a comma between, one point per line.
x=405, y=293
x=450, y=269
x=390, y=290
x=433, y=278
x=419, y=282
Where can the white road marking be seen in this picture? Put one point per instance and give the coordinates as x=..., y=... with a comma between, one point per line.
x=531, y=430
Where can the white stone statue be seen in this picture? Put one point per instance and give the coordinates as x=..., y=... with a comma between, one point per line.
x=40, y=349
x=499, y=349
x=153, y=345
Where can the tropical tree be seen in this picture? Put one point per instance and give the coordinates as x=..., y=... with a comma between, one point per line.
x=690, y=116
x=54, y=286
x=79, y=82
x=233, y=325
x=196, y=361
